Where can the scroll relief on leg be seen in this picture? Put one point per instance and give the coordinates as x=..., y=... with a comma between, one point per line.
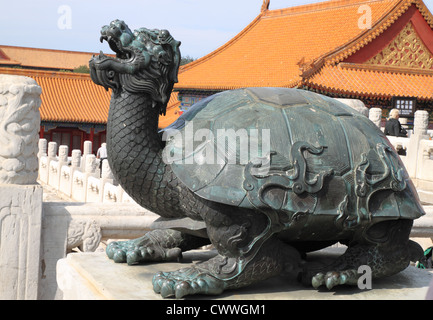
x=247, y=253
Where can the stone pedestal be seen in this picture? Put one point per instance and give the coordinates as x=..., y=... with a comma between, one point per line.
x=20, y=241
x=93, y=276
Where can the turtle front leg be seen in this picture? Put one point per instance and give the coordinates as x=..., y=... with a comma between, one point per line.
x=208, y=277
x=187, y=281
x=247, y=254
x=386, y=250
x=154, y=246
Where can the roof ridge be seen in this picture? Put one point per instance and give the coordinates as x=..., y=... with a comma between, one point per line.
x=381, y=68
x=44, y=73
x=428, y=16
x=5, y=59
x=320, y=6
x=46, y=50
x=3, y=55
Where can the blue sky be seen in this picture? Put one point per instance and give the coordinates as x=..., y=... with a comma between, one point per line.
x=201, y=25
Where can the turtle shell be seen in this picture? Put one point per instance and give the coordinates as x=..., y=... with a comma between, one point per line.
x=289, y=150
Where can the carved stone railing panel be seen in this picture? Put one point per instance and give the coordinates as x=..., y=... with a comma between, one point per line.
x=69, y=225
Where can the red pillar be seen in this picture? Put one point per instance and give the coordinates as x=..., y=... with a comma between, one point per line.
x=92, y=137
x=41, y=132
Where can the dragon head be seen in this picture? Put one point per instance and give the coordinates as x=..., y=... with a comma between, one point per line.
x=146, y=62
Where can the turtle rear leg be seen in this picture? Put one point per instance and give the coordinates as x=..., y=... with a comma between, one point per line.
x=155, y=245
x=386, y=250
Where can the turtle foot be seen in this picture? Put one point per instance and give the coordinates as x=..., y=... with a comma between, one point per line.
x=144, y=249
x=187, y=281
x=130, y=253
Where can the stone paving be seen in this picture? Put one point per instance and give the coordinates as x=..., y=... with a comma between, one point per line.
x=89, y=276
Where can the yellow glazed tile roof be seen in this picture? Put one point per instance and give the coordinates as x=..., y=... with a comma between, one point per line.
x=68, y=97
x=373, y=81
x=172, y=112
x=269, y=50
x=298, y=46
x=285, y=47
x=71, y=97
x=45, y=58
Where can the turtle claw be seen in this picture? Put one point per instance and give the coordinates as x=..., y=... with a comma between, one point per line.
x=318, y=280
x=186, y=281
x=132, y=252
x=334, y=278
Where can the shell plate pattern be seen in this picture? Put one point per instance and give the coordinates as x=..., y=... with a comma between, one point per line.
x=322, y=157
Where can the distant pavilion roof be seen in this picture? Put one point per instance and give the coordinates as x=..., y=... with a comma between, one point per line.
x=318, y=46
x=323, y=46
x=73, y=98
x=43, y=59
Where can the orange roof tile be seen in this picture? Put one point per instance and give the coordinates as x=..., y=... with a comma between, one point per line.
x=268, y=51
x=74, y=98
x=172, y=111
x=46, y=58
x=356, y=80
x=403, y=65
x=5, y=60
x=302, y=46
x=68, y=97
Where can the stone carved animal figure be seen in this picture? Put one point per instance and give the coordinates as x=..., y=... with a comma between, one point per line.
x=329, y=176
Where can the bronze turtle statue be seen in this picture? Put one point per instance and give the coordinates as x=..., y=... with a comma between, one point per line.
x=293, y=172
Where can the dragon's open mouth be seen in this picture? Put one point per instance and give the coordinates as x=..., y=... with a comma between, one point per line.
x=116, y=46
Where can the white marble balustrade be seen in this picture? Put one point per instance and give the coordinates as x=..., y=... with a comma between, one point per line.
x=79, y=177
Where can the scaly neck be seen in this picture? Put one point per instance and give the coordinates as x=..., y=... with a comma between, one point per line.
x=134, y=146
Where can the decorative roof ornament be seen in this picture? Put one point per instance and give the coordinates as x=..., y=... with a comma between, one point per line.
x=265, y=5
x=406, y=50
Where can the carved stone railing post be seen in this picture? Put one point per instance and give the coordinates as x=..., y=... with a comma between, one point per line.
x=421, y=123
x=87, y=149
x=375, y=115
x=76, y=159
x=414, y=152
x=43, y=148
x=52, y=150
x=20, y=195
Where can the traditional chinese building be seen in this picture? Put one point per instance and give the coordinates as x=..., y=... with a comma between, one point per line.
x=73, y=108
x=378, y=51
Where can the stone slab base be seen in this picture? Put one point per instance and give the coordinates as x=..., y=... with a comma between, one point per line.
x=92, y=276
